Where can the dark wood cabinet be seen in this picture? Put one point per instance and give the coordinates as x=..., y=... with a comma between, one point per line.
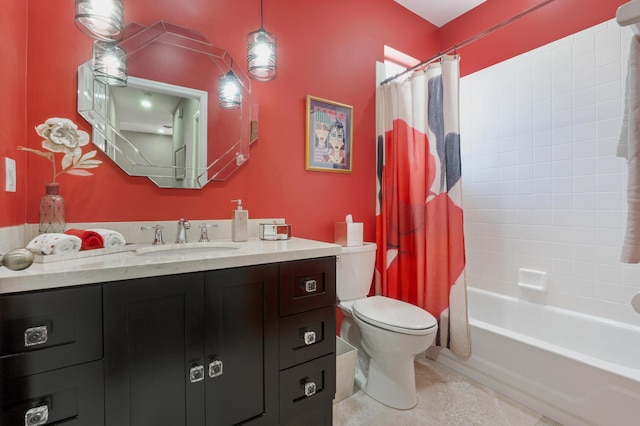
x=241, y=345
x=193, y=349
x=153, y=336
x=307, y=341
x=51, y=358
x=248, y=345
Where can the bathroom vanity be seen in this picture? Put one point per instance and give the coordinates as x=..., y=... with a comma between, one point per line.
x=203, y=338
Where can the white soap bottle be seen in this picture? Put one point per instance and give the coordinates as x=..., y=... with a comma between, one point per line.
x=239, y=223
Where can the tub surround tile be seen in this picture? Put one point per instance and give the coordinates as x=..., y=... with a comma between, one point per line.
x=574, y=115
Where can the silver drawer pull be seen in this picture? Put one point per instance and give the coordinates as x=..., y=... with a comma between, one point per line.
x=36, y=416
x=309, y=388
x=310, y=286
x=309, y=337
x=196, y=374
x=215, y=368
x=36, y=336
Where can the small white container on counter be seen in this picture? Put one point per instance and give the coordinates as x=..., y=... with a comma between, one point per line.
x=273, y=231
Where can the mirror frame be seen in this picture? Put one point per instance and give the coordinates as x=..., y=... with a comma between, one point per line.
x=93, y=105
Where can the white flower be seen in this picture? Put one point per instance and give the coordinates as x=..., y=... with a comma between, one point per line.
x=62, y=135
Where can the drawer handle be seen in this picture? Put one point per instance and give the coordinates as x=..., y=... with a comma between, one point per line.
x=309, y=388
x=36, y=336
x=215, y=368
x=309, y=337
x=310, y=286
x=196, y=374
x=36, y=416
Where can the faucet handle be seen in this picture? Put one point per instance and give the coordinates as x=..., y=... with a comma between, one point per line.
x=157, y=238
x=204, y=238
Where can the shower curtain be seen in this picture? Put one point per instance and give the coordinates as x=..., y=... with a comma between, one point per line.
x=419, y=231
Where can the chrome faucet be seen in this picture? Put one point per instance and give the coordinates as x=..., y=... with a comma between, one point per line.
x=204, y=238
x=157, y=237
x=183, y=225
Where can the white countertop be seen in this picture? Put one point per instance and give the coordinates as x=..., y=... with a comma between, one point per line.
x=130, y=265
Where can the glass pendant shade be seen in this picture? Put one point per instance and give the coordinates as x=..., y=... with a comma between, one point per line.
x=109, y=63
x=101, y=19
x=262, y=55
x=229, y=95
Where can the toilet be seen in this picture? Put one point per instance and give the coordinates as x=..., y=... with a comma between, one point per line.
x=388, y=333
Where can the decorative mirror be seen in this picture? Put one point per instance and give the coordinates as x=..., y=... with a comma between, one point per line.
x=168, y=123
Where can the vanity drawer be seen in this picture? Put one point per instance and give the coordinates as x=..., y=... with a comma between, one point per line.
x=307, y=335
x=72, y=395
x=42, y=331
x=307, y=387
x=307, y=285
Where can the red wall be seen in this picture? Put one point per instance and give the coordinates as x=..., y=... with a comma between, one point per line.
x=551, y=22
x=13, y=113
x=326, y=49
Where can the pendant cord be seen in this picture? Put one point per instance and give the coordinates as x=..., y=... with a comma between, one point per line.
x=261, y=15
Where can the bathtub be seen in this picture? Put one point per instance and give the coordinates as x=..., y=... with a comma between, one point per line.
x=576, y=369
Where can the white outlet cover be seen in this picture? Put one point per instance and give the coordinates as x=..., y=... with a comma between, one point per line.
x=9, y=174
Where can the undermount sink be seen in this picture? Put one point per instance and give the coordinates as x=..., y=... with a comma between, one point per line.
x=186, y=249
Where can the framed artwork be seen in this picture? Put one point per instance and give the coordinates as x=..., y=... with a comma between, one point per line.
x=329, y=136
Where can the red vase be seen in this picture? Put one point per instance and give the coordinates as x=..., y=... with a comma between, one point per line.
x=52, y=210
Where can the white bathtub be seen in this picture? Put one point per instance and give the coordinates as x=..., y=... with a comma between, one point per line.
x=576, y=369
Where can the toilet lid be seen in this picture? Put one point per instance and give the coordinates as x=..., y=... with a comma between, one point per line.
x=394, y=315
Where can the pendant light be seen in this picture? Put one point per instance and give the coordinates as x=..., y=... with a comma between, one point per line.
x=100, y=19
x=229, y=95
x=262, y=54
x=109, y=63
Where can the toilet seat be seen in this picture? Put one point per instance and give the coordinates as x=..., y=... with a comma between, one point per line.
x=394, y=315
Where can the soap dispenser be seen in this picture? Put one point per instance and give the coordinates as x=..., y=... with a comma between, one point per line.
x=239, y=223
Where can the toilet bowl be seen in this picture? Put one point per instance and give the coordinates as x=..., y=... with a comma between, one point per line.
x=388, y=333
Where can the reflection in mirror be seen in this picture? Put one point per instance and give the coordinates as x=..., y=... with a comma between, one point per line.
x=168, y=123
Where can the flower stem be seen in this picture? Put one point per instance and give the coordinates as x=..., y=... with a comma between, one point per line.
x=53, y=162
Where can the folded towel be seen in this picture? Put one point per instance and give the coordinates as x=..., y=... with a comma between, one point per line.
x=112, y=239
x=90, y=240
x=55, y=244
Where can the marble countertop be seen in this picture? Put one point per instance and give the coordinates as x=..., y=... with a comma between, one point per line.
x=139, y=264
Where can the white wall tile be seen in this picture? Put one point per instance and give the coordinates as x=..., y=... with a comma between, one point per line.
x=542, y=184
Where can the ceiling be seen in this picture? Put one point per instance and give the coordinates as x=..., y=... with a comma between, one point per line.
x=439, y=12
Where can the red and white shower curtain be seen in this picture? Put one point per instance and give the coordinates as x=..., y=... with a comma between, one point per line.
x=419, y=229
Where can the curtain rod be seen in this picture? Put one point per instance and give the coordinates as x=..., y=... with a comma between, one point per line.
x=468, y=41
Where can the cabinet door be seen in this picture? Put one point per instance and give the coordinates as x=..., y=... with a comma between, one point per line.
x=71, y=395
x=46, y=330
x=153, y=351
x=241, y=314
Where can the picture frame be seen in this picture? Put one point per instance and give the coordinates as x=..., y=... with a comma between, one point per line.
x=329, y=136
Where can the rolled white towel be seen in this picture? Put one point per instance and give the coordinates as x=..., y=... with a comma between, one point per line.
x=55, y=244
x=112, y=239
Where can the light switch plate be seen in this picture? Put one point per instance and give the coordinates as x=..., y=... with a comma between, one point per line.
x=9, y=174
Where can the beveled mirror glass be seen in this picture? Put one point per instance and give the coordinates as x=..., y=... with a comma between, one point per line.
x=167, y=124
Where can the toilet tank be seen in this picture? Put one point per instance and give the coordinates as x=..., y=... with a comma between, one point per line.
x=354, y=271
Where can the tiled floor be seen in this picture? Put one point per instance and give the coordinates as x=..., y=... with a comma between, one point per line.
x=445, y=397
